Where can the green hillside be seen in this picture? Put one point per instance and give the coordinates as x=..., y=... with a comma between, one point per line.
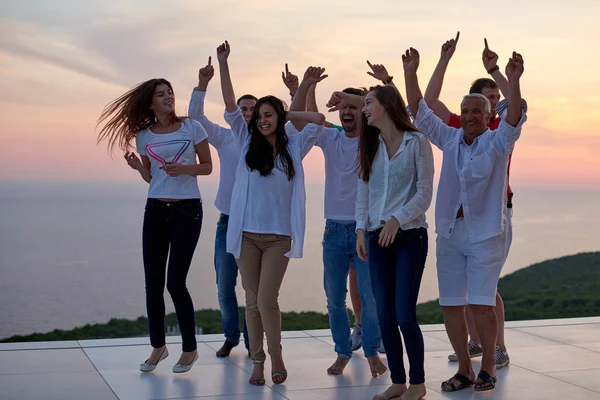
x=565, y=287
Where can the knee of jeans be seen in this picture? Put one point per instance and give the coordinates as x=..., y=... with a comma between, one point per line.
x=405, y=319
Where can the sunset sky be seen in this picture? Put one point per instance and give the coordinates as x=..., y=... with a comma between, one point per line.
x=61, y=61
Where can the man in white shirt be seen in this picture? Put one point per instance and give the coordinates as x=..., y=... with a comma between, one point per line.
x=471, y=214
x=339, y=240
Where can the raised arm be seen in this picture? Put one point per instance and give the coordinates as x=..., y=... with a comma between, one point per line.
x=226, y=86
x=410, y=62
x=490, y=63
x=514, y=70
x=434, y=88
x=312, y=76
x=339, y=100
x=425, y=120
x=379, y=72
x=290, y=81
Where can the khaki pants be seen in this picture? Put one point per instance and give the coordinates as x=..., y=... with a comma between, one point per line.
x=262, y=265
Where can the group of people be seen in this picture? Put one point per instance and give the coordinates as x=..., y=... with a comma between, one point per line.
x=379, y=171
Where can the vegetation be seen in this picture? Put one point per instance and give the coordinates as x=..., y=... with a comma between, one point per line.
x=565, y=287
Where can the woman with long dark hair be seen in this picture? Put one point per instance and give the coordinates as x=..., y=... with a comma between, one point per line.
x=268, y=210
x=173, y=152
x=395, y=187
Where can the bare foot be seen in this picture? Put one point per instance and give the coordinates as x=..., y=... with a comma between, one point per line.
x=377, y=367
x=155, y=356
x=396, y=390
x=414, y=392
x=187, y=357
x=338, y=366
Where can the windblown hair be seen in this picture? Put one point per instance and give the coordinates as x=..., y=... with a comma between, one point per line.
x=260, y=151
x=130, y=114
x=394, y=106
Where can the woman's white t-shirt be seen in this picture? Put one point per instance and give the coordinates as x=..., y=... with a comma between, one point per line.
x=179, y=147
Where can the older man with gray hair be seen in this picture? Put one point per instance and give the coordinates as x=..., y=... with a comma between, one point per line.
x=470, y=213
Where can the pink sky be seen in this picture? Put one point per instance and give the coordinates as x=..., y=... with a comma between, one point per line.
x=61, y=63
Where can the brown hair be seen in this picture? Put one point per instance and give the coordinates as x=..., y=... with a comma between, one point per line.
x=130, y=114
x=394, y=105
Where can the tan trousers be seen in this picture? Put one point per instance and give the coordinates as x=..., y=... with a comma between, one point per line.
x=262, y=265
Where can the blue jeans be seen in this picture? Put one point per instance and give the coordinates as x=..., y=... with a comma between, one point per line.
x=227, y=271
x=169, y=238
x=396, y=272
x=339, y=252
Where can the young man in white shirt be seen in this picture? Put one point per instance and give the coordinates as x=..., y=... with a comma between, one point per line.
x=339, y=240
x=471, y=216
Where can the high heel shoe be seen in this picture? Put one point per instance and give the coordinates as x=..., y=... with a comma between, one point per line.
x=180, y=368
x=145, y=367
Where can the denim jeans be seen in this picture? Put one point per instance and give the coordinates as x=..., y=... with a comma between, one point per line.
x=171, y=230
x=339, y=252
x=396, y=272
x=226, y=271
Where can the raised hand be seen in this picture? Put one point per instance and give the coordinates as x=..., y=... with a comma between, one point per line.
x=133, y=161
x=314, y=75
x=489, y=58
x=338, y=101
x=223, y=51
x=378, y=72
x=410, y=60
x=514, y=67
x=449, y=47
x=290, y=80
x=205, y=74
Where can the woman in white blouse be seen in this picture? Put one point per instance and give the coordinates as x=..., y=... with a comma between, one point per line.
x=267, y=213
x=394, y=191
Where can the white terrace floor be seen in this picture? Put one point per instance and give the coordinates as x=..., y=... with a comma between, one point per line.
x=552, y=359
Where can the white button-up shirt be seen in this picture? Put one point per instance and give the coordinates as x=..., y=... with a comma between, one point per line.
x=472, y=176
x=227, y=146
x=400, y=186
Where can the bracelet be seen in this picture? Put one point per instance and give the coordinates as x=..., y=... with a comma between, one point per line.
x=389, y=80
x=493, y=69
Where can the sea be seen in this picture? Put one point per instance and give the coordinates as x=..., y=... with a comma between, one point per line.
x=70, y=252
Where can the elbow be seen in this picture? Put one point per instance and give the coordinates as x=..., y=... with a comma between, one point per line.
x=209, y=168
x=320, y=119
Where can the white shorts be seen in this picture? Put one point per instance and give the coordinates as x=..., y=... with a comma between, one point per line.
x=468, y=272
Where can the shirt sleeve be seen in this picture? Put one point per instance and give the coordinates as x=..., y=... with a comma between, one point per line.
x=326, y=135
x=140, y=144
x=361, y=214
x=236, y=121
x=506, y=136
x=217, y=134
x=421, y=200
x=290, y=129
x=502, y=107
x=199, y=133
x=454, y=121
x=308, y=137
x=433, y=127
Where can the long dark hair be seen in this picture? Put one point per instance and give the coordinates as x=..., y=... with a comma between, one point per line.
x=260, y=151
x=394, y=106
x=130, y=114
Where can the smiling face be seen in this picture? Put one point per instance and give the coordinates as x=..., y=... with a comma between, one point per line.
x=473, y=116
x=163, y=100
x=247, y=107
x=373, y=110
x=267, y=119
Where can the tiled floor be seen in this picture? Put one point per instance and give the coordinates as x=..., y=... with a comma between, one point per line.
x=554, y=359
